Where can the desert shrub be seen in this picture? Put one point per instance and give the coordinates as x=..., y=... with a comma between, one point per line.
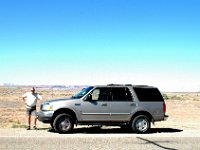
x=165, y=96
x=18, y=124
x=175, y=97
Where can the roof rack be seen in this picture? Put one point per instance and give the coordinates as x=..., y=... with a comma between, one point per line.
x=119, y=84
x=143, y=86
x=128, y=84
x=114, y=84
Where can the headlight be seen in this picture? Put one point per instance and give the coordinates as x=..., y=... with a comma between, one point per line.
x=47, y=106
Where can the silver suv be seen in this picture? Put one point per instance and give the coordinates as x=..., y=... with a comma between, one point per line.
x=133, y=106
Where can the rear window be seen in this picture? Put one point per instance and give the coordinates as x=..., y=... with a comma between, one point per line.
x=148, y=94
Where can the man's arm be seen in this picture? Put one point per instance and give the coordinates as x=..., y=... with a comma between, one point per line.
x=24, y=97
x=39, y=97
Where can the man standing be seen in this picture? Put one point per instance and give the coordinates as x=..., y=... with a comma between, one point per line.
x=30, y=99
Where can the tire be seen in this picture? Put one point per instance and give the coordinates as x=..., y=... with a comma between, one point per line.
x=63, y=123
x=52, y=125
x=140, y=124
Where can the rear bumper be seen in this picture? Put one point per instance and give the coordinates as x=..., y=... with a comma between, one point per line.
x=166, y=117
x=45, y=116
x=160, y=118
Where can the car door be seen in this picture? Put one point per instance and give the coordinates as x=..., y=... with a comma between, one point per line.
x=97, y=106
x=122, y=104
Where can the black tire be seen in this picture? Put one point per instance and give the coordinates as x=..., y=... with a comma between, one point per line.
x=52, y=125
x=63, y=123
x=140, y=124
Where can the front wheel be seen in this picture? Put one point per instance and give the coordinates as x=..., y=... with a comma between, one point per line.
x=63, y=123
x=140, y=124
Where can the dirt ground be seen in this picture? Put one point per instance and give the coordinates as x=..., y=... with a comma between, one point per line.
x=182, y=108
x=12, y=107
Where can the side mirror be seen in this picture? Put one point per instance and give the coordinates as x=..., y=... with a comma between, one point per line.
x=88, y=97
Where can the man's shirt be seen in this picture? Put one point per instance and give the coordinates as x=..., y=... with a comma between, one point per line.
x=31, y=99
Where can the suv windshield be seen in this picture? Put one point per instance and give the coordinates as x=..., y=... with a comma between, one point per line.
x=82, y=92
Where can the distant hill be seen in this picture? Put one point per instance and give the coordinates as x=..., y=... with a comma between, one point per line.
x=47, y=86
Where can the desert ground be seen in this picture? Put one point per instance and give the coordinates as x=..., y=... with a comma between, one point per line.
x=12, y=107
x=182, y=108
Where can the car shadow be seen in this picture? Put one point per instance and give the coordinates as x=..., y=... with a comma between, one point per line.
x=164, y=130
x=100, y=130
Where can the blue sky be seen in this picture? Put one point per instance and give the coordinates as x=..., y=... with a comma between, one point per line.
x=101, y=41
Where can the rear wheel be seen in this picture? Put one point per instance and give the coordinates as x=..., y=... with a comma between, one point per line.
x=140, y=124
x=51, y=123
x=63, y=123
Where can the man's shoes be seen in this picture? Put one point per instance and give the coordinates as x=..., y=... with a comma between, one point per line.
x=34, y=127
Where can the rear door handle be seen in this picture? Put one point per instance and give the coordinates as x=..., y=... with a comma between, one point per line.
x=104, y=104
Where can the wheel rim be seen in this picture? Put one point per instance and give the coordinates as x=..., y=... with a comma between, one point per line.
x=65, y=124
x=141, y=125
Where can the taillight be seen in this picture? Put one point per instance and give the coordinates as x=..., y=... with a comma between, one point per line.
x=164, y=107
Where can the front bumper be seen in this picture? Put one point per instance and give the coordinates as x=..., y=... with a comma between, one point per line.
x=45, y=116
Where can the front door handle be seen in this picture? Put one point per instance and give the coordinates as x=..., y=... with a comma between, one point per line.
x=132, y=104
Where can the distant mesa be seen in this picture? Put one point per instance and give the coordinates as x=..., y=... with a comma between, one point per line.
x=47, y=86
x=8, y=84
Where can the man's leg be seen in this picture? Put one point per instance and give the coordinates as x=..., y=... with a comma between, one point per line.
x=29, y=122
x=29, y=118
x=35, y=118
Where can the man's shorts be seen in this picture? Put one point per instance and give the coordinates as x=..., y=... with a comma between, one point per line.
x=31, y=110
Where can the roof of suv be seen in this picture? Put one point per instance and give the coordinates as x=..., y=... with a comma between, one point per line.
x=125, y=85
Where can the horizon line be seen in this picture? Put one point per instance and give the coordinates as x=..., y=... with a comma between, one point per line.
x=82, y=85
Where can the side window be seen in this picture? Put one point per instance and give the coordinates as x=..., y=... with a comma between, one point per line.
x=101, y=94
x=128, y=95
x=95, y=94
x=148, y=94
x=121, y=94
